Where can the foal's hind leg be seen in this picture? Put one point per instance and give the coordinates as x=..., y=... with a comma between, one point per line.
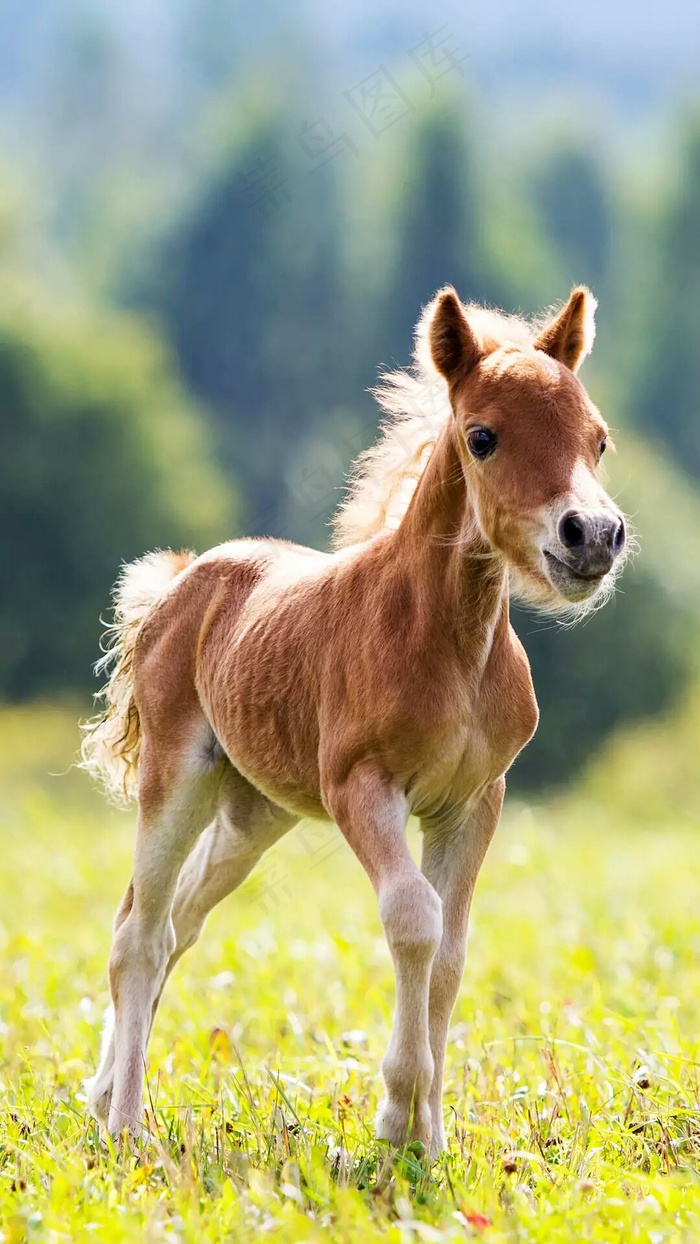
x=99, y=1087
x=178, y=793
x=246, y=825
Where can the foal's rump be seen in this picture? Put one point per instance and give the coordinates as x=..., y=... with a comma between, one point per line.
x=112, y=740
x=187, y=647
x=160, y=603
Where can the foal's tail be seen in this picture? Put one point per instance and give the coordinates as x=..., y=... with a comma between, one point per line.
x=112, y=740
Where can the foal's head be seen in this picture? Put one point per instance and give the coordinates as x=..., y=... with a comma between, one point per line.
x=530, y=440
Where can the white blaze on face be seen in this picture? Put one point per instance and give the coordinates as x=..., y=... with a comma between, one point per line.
x=585, y=496
x=591, y=498
x=586, y=490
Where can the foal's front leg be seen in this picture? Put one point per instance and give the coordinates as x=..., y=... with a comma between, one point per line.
x=372, y=816
x=453, y=852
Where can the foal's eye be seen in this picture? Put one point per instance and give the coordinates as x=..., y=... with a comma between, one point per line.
x=481, y=442
x=602, y=447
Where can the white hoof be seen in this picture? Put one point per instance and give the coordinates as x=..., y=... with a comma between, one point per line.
x=394, y=1124
x=99, y=1094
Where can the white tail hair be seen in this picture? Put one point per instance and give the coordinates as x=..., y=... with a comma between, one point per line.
x=112, y=741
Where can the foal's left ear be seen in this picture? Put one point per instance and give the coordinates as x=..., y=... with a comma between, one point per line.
x=569, y=337
x=453, y=345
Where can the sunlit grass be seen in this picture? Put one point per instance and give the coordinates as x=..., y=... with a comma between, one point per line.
x=572, y=1090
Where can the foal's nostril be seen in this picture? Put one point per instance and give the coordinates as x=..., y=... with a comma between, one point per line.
x=619, y=537
x=572, y=532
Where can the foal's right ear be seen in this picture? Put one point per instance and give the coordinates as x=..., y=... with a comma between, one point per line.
x=453, y=345
x=569, y=337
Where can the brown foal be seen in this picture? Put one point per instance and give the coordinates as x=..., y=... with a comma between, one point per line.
x=263, y=682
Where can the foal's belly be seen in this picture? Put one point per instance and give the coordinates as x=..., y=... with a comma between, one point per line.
x=266, y=723
x=264, y=745
x=289, y=794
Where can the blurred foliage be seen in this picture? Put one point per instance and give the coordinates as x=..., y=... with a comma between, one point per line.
x=101, y=457
x=651, y=767
x=248, y=289
x=438, y=225
x=572, y=200
x=667, y=397
x=38, y=745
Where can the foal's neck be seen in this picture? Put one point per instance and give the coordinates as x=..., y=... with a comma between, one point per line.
x=464, y=579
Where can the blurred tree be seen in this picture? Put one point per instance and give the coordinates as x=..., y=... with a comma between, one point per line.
x=101, y=458
x=248, y=286
x=667, y=400
x=572, y=202
x=439, y=226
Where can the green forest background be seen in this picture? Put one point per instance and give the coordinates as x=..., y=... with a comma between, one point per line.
x=218, y=222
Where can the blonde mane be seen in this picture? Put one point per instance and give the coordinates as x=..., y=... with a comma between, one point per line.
x=415, y=405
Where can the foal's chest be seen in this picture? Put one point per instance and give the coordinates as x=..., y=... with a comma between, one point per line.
x=507, y=710
x=482, y=737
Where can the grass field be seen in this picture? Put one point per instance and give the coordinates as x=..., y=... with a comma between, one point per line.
x=573, y=1097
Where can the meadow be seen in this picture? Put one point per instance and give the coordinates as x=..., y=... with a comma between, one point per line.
x=573, y=1095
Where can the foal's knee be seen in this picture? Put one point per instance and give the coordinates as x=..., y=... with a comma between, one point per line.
x=138, y=952
x=411, y=912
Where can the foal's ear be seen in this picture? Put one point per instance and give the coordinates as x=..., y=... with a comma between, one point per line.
x=568, y=338
x=453, y=346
